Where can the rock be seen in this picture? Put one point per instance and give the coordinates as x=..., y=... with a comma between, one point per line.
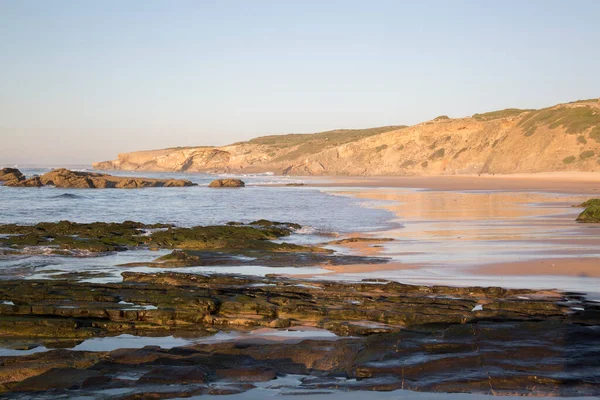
x=270, y=224
x=494, y=351
x=9, y=174
x=20, y=368
x=227, y=390
x=54, y=308
x=64, y=178
x=171, y=375
x=56, y=378
x=227, y=183
x=247, y=374
x=31, y=182
x=590, y=215
x=590, y=202
x=360, y=240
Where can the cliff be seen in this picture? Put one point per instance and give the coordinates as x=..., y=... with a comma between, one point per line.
x=565, y=137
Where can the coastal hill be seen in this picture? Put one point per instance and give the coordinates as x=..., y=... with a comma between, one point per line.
x=565, y=137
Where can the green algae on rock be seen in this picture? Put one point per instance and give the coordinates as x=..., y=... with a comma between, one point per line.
x=103, y=237
x=591, y=214
x=167, y=300
x=401, y=336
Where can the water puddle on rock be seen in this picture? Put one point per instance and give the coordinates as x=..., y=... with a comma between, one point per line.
x=127, y=341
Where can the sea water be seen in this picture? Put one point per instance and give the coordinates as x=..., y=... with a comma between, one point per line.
x=321, y=215
x=265, y=196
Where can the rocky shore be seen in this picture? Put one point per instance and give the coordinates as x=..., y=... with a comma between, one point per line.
x=382, y=335
x=390, y=336
x=64, y=178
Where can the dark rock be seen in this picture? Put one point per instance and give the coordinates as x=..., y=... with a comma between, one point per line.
x=56, y=378
x=227, y=183
x=246, y=374
x=169, y=375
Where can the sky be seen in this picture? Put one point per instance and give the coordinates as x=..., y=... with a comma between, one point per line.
x=81, y=81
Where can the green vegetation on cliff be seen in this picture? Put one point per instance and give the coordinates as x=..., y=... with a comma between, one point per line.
x=332, y=138
x=509, y=112
x=574, y=119
x=313, y=143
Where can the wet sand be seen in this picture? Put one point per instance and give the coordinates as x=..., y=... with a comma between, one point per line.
x=483, y=228
x=581, y=267
x=555, y=182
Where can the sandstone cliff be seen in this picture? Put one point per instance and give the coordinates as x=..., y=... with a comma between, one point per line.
x=559, y=138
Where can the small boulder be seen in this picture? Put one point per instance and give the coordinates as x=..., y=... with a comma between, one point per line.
x=64, y=178
x=227, y=183
x=590, y=215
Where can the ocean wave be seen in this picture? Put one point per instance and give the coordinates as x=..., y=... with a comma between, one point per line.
x=68, y=196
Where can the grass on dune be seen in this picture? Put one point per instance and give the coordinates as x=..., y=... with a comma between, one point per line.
x=313, y=143
x=574, y=119
x=509, y=112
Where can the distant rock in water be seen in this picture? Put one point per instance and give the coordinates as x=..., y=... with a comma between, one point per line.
x=227, y=183
x=31, y=182
x=11, y=174
x=64, y=178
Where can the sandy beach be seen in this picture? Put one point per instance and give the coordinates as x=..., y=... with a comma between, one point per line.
x=483, y=227
x=555, y=182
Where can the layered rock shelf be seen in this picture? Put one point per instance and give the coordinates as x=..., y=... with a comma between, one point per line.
x=390, y=336
x=380, y=335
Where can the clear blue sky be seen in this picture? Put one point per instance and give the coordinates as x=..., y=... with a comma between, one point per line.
x=81, y=81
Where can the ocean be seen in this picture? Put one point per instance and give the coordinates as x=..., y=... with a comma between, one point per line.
x=265, y=197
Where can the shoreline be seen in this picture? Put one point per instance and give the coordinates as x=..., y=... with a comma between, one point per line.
x=554, y=182
x=539, y=224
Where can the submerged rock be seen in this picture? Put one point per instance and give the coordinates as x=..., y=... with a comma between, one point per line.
x=360, y=240
x=227, y=183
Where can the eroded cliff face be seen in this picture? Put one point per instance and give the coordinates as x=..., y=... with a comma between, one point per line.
x=560, y=138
